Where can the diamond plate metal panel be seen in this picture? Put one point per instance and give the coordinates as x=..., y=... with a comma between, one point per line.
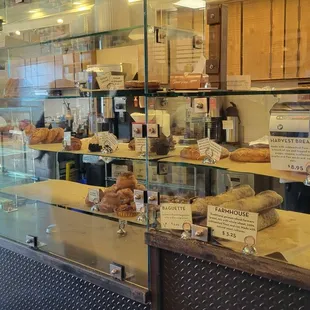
x=26, y=284
x=189, y=283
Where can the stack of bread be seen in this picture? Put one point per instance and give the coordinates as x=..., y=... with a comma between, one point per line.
x=119, y=198
x=243, y=198
x=43, y=135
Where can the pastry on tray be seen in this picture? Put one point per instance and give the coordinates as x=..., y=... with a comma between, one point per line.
x=192, y=152
x=119, y=198
x=251, y=155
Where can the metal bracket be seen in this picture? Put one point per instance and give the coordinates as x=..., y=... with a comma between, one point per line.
x=117, y=271
x=33, y=242
x=160, y=35
x=200, y=233
x=162, y=168
x=213, y=66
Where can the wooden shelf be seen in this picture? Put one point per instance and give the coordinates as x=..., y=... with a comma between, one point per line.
x=255, y=168
x=69, y=195
x=123, y=152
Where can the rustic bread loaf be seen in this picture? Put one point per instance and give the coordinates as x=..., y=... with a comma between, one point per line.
x=201, y=204
x=267, y=219
x=192, y=152
x=255, y=155
x=263, y=201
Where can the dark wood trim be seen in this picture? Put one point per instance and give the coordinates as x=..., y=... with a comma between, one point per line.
x=263, y=267
x=103, y=280
x=155, y=274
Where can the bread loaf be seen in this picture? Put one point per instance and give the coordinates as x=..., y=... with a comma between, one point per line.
x=267, y=219
x=255, y=155
x=51, y=136
x=201, y=204
x=263, y=201
x=192, y=152
x=38, y=136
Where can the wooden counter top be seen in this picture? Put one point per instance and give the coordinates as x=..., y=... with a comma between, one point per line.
x=255, y=168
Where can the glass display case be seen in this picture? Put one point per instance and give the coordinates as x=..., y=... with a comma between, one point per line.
x=181, y=118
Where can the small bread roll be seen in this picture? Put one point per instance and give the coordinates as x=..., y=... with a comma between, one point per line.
x=201, y=204
x=109, y=203
x=262, y=202
x=255, y=155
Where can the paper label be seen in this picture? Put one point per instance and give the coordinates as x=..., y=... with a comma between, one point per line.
x=173, y=215
x=291, y=154
x=118, y=169
x=67, y=138
x=93, y=195
x=209, y=148
x=140, y=145
x=232, y=224
x=238, y=82
x=229, y=124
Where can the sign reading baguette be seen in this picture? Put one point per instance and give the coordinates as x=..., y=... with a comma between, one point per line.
x=232, y=224
x=173, y=215
x=209, y=148
x=292, y=154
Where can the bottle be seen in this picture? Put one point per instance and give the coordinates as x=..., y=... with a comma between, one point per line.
x=231, y=125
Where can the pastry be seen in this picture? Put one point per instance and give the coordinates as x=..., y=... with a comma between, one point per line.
x=262, y=202
x=109, y=203
x=132, y=145
x=162, y=145
x=201, y=204
x=267, y=219
x=126, y=180
x=29, y=130
x=192, y=152
x=91, y=203
x=51, y=136
x=126, y=210
x=126, y=196
x=38, y=135
x=255, y=155
x=60, y=135
x=76, y=145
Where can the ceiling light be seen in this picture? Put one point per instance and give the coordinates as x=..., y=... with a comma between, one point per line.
x=132, y=1
x=32, y=11
x=17, y=32
x=83, y=8
x=60, y=21
x=76, y=3
x=192, y=4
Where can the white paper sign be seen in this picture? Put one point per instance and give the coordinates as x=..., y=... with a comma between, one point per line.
x=174, y=215
x=209, y=148
x=140, y=145
x=108, y=139
x=238, y=82
x=292, y=154
x=232, y=224
x=67, y=138
x=93, y=195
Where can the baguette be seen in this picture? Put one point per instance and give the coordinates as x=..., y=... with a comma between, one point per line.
x=262, y=202
x=201, y=204
x=267, y=219
x=255, y=155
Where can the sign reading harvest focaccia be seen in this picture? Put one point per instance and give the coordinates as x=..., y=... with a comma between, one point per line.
x=292, y=154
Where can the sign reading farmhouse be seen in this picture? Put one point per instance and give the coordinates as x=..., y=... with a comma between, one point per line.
x=292, y=154
x=173, y=215
x=232, y=224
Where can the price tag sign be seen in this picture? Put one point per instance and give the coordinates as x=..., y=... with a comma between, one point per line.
x=173, y=215
x=140, y=145
x=232, y=224
x=209, y=148
x=67, y=138
x=93, y=195
x=291, y=154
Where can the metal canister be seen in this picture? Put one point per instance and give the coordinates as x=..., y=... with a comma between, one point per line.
x=232, y=124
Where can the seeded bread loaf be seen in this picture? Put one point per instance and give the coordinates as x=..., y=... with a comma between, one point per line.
x=255, y=155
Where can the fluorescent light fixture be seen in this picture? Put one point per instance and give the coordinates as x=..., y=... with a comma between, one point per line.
x=192, y=4
x=60, y=21
x=133, y=1
x=83, y=8
x=77, y=3
x=17, y=32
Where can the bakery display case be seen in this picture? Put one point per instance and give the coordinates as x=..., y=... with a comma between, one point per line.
x=146, y=144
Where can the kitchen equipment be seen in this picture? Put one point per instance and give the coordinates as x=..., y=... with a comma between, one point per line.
x=213, y=120
x=290, y=119
x=231, y=125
